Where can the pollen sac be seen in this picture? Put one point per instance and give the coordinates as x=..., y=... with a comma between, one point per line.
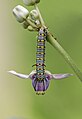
x=30, y=2
x=20, y=13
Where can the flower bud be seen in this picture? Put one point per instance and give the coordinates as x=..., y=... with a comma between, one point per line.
x=37, y=22
x=20, y=13
x=25, y=24
x=30, y=2
x=30, y=28
x=34, y=14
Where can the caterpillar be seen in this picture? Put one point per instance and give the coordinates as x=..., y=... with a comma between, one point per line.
x=40, y=54
x=40, y=77
x=40, y=60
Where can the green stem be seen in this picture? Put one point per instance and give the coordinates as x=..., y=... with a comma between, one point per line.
x=40, y=17
x=32, y=24
x=65, y=55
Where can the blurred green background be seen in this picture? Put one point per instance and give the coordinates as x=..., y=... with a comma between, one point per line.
x=63, y=99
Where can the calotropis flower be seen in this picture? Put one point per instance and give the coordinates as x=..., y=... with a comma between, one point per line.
x=41, y=85
x=30, y=2
x=20, y=13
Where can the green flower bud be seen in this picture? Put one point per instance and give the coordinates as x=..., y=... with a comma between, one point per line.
x=30, y=28
x=30, y=2
x=25, y=24
x=34, y=14
x=20, y=13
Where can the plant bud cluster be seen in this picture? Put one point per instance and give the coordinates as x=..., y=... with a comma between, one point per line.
x=23, y=16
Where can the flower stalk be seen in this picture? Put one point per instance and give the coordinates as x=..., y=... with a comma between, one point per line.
x=65, y=55
x=40, y=17
x=31, y=24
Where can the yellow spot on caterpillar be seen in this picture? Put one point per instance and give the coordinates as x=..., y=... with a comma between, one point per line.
x=40, y=53
x=40, y=40
x=41, y=47
x=39, y=58
x=42, y=34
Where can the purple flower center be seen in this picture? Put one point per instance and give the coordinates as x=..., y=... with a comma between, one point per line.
x=40, y=85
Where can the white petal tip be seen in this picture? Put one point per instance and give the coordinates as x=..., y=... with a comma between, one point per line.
x=71, y=74
x=61, y=76
x=12, y=72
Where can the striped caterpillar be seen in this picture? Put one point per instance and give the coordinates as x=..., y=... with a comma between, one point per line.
x=40, y=77
x=40, y=62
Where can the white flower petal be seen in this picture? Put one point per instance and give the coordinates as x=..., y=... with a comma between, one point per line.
x=32, y=73
x=30, y=2
x=18, y=74
x=61, y=76
x=27, y=2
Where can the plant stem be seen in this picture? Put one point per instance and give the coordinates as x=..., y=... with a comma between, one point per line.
x=40, y=17
x=32, y=24
x=65, y=55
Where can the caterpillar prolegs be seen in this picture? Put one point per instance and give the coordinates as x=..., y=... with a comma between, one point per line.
x=40, y=77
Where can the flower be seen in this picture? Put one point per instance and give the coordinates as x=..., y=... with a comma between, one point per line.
x=40, y=86
x=30, y=2
x=20, y=13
